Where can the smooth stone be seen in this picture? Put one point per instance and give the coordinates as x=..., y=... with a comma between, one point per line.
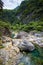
x=22, y=34
x=26, y=46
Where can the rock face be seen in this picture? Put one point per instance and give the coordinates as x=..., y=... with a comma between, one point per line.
x=22, y=34
x=6, y=39
x=39, y=34
x=26, y=46
x=9, y=56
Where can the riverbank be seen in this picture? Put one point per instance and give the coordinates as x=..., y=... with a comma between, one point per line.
x=33, y=43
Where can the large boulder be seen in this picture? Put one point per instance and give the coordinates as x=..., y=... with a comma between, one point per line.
x=26, y=46
x=22, y=34
x=15, y=42
x=38, y=41
x=6, y=39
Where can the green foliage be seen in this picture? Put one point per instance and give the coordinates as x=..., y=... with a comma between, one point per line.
x=31, y=8
x=0, y=34
x=1, y=46
x=37, y=61
x=21, y=64
x=4, y=24
x=5, y=28
x=39, y=50
x=37, y=55
x=34, y=8
x=1, y=61
x=37, y=25
x=8, y=15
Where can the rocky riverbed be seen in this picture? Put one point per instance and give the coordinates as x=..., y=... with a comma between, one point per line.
x=22, y=41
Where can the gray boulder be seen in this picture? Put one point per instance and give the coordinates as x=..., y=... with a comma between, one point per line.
x=26, y=46
x=22, y=34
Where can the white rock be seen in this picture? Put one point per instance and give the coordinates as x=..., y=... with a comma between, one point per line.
x=26, y=46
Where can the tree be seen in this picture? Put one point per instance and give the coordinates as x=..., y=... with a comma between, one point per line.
x=1, y=5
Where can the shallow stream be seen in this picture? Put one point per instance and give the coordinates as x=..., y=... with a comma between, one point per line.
x=31, y=58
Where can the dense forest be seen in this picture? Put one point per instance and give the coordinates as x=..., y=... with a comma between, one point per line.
x=29, y=12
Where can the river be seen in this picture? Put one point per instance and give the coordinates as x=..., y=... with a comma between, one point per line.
x=30, y=58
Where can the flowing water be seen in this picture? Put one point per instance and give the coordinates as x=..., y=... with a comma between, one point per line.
x=31, y=58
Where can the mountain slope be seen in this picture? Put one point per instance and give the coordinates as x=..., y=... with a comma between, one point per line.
x=8, y=16
x=31, y=10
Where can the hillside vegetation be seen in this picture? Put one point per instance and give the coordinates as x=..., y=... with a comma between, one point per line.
x=30, y=10
x=38, y=26
x=28, y=16
x=4, y=28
